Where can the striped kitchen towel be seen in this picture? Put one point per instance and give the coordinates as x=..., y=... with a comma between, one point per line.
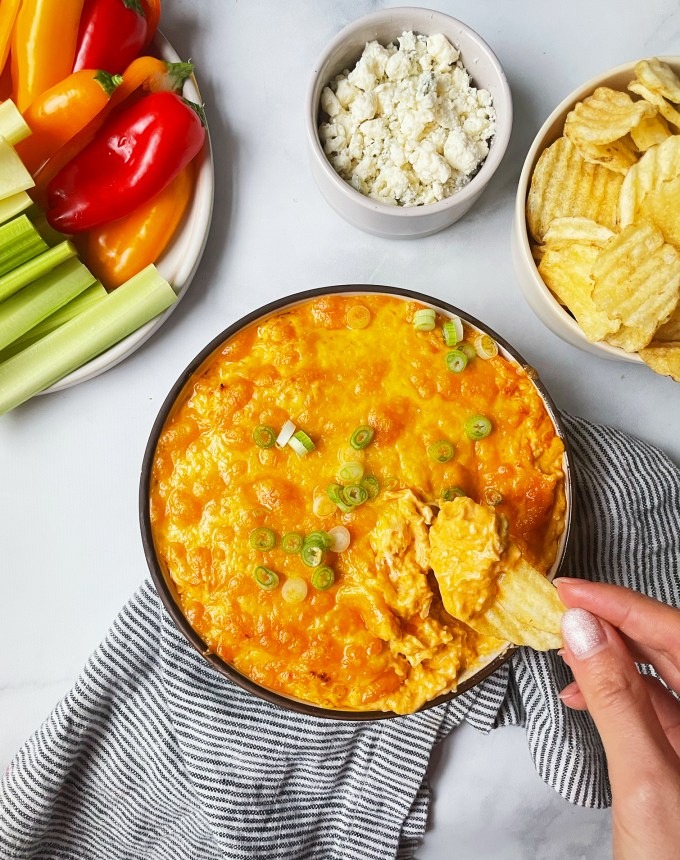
x=154, y=755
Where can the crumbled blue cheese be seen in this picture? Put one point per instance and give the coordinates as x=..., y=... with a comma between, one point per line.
x=405, y=126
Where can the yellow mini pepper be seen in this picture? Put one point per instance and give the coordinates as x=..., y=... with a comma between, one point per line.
x=43, y=46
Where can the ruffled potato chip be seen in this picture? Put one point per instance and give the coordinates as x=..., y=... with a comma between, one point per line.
x=565, y=230
x=662, y=208
x=670, y=330
x=637, y=281
x=563, y=184
x=651, y=190
x=648, y=132
x=485, y=582
x=618, y=156
x=665, y=108
x=659, y=77
x=656, y=166
x=663, y=358
x=618, y=275
x=605, y=116
x=567, y=272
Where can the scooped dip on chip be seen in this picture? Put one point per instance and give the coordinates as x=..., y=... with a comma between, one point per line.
x=358, y=499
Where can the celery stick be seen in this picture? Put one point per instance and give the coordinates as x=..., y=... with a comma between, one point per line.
x=93, y=294
x=41, y=224
x=13, y=127
x=19, y=243
x=13, y=175
x=38, y=300
x=127, y=308
x=35, y=268
x=85, y=300
x=14, y=205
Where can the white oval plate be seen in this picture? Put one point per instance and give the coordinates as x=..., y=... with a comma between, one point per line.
x=179, y=262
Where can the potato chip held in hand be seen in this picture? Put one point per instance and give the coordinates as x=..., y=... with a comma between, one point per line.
x=485, y=582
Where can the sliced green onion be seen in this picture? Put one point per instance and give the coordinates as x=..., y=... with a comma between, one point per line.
x=301, y=443
x=294, y=590
x=371, y=485
x=468, y=349
x=351, y=473
x=291, y=542
x=424, y=319
x=334, y=493
x=312, y=555
x=492, y=496
x=441, y=451
x=361, y=437
x=453, y=331
x=451, y=493
x=485, y=346
x=323, y=577
x=323, y=506
x=285, y=434
x=347, y=454
x=478, y=427
x=358, y=316
x=321, y=539
x=354, y=495
x=340, y=538
x=262, y=539
x=267, y=579
x=264, y=436
x=456, y=361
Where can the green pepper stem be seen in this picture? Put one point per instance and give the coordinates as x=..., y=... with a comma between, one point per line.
x=136, y=6
x=107, y=81
x=178, y=73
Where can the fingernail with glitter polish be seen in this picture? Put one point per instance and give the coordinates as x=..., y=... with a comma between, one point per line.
x=583, y=633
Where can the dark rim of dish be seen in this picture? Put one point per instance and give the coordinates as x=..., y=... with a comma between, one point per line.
x=161, y=578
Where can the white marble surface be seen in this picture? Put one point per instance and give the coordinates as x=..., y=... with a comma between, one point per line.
x=69, y=463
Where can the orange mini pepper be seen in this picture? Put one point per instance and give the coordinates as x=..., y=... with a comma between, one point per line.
x=153, y=12
x=62, y=111
x=43, y=46
x=118, y=250
x=151, y=75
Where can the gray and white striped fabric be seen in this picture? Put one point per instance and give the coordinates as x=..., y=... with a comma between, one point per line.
x=154, y=755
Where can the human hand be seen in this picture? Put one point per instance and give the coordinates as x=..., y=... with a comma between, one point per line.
x=606, y=630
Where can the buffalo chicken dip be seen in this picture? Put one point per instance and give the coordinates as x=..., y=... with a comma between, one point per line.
x=298, y=477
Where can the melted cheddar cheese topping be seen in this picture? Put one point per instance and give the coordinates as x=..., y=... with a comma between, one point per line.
x=379, y=638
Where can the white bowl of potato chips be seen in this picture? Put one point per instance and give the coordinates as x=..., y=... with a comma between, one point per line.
x=596, y=236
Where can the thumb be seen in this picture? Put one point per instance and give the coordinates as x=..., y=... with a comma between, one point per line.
x=614, y=692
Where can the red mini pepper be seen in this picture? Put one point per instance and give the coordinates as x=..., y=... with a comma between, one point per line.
x=135, y=155
x=112, y=33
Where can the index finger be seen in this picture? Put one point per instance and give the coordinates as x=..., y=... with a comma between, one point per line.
x=653, y=625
